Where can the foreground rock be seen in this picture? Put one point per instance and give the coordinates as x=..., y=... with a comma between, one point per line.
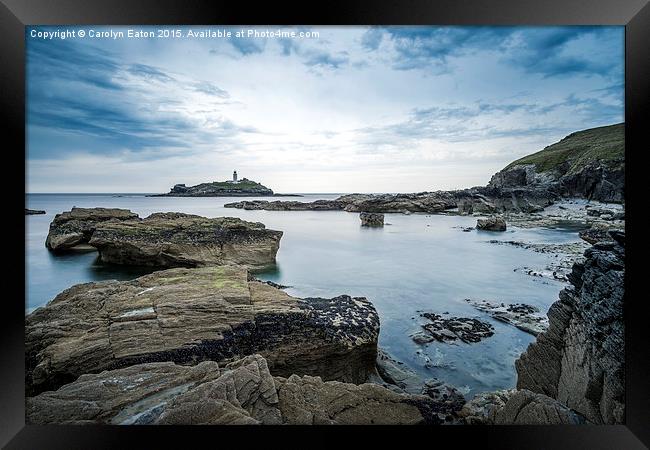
x=29, y=212
x=491, y=224
x=525, y=317
x=242, y=392
x=580, y=360
x=371, y=219
x=512, y=407
x=75, y=227
x=441, y=329
x=191, y=315
x=185, y=240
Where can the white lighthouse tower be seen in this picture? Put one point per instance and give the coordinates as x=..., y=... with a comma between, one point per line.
x=234, y=176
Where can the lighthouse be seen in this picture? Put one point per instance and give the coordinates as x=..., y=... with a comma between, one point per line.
x=234, y=176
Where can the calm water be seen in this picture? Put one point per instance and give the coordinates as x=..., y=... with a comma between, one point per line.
x=417, y=263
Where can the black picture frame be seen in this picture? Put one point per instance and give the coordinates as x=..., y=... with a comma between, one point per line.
x=633, y=14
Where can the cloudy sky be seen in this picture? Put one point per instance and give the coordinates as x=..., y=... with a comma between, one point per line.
x=353, y=109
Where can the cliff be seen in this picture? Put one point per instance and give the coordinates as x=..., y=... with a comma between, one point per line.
x=588, y=164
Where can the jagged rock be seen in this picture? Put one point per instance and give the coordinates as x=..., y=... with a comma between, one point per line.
x=598, y=232
x=371, y=219
x=465, y=329
x=75, y=227
x=580, y=360
x=491, y=224
x=393, y=373
x=376, y=203
x=525, y=317
x=191, y=315
x=242, y=392
x=185, y=240
x=317, y=205
x=529, y=408
x=480, y=410
x=29, y=212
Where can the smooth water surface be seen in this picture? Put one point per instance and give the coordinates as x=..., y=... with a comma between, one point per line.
x=417, y=263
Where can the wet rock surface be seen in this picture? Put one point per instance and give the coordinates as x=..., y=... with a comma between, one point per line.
x=75, y=227
x=525, y=317
x=185, y=240
x=371, y=219
x=564, y=256
x=191, y=315
x=450, y=329
x=241, y=392
x=580, y=360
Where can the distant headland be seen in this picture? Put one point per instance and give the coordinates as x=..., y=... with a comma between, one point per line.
x=228, y=188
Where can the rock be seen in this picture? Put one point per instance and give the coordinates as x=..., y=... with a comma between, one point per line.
x=185, y=240
x=317, y=205
x=191, y=315
x=29, y=212
x=481, y=409
x=598, y=232
x=75, y=227
x=243, y=392
x=451, y=401
x=392, y=373
x=491, y=224
x=372, y=203
x=465, y=329
x=580, y=360
x=525, y=317
x=371, y=219
x=529, y=408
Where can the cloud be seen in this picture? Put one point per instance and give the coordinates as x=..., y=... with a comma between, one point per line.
x=247, y=46
x=371, y=39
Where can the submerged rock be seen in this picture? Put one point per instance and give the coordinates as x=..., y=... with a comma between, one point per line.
x=185, y=240
x=242, y=392
x=191, y=315
x=371, y=219
x=525, y=317
x=465, y=329
x=580, y=360
x=75, y=227
x=491, y=224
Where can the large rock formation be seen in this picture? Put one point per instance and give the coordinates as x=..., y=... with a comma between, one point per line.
x=426, y=202
x=241, y=188
x=185, y=240
x=241, y=392
x=580, y=360
x=75, y=227
x=588, y=164
x=191, y=315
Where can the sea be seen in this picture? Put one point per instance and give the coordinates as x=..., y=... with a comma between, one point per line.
x=416, y=263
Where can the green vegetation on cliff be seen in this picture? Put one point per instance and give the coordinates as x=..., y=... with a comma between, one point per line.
x=605, y=145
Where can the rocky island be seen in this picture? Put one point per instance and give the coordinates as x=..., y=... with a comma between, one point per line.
x=228, y=188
